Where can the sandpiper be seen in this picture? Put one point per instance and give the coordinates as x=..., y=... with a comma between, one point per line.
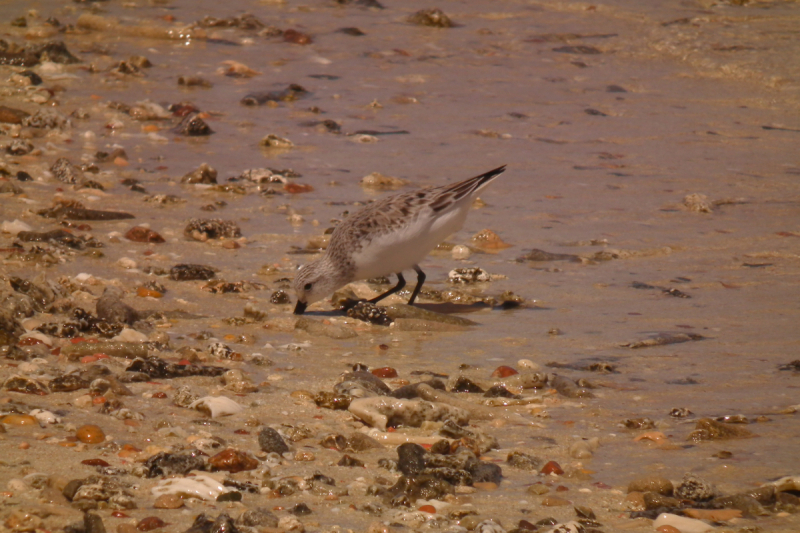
x=389, y=236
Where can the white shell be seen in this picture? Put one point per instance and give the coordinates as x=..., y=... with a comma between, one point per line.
x=198, y=486
x=217, y=406
x=685, y=524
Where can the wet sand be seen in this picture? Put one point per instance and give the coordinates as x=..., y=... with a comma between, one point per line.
x=607, y=115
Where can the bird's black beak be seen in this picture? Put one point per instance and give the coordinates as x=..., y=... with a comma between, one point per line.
x=300, y=308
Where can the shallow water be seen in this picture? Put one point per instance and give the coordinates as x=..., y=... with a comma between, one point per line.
x=701, y=82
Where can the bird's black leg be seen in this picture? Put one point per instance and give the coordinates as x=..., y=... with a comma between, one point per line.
x=401, y=282
x=420, y=281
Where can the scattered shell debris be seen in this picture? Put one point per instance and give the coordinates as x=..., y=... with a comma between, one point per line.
x=154, y=214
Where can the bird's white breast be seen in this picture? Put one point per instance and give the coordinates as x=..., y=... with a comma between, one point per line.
x=401, y=249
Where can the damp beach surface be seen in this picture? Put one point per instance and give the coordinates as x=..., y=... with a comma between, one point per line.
x=167, y=169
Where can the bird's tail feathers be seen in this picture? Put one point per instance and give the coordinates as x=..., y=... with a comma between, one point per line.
x=465, y=188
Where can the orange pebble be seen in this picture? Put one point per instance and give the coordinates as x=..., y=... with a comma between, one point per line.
x=297, y=188
x=120, y=161
x=427, y=509
x=668, y=529
x=124, y=454
x=29, y=341
x=90, y=434
x=656, y=436
x=503, y=372
x=552, y=467
x=385, y=372
x=144, y=293
x=24, y=445
x=18, y=420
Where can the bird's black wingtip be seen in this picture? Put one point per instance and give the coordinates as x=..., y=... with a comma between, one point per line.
x=486, y=177
x=495, y=172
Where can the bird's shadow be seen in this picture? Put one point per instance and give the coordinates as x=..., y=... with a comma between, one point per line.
x=445, y=308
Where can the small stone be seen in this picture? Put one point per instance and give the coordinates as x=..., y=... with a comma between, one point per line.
x=694, y=488
x=260, y=518
x=634, y=501
x=523, y=461
x=142, y=234
x=280, y=297
x=149, y=523
x=378, y=181
x=19, y=147
x=296, y=37
x=698, y=203
x=434, y=18
x=297, y=188
x=708, y=429
x=468, y=275
x=211, y=228
x=384, y=372
x=90, y=434
x=111, y=308
x=144, y=292
x=167, y=464
x=460, y=252
x=271, y=441
x=93, y=523
x=714, y=515
x=552, y=467
x=369, y=312
x=582, y=449
x=538, y=489
x=652, y=483
x=19, y=420
x=202, y=174
x=274, y=141
x=639, y=423
x=654, y=501
x=233, y=461
x=168, y=501
x=349, y=461
x=66, y=172
x=10, y=115
x=553, y=501
x=23, y=521
x=218, y=350
x=488, y=241
x=192, y=125
x=503, y=372
x=189, y=272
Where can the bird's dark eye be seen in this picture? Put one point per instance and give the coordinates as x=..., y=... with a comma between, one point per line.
x=307, y=287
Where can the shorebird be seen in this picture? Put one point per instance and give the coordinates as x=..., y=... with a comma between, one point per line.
x=389, y=236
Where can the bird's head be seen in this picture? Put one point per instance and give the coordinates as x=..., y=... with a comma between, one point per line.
x=314, y=282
